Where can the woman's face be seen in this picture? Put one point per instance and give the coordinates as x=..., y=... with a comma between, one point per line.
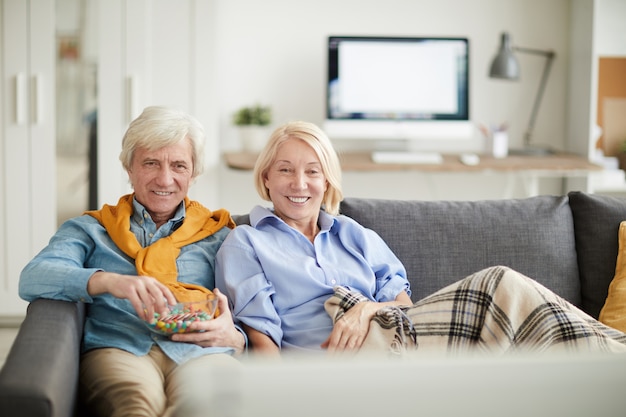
x=161, y=178
x=296, y=184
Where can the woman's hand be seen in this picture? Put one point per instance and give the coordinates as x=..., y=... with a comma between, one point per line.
x=146, y=294
x=350, y=331
x=219, y=331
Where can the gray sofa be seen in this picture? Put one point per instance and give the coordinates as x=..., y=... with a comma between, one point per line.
x=568, y=243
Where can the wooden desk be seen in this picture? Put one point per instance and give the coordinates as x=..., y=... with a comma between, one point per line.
x=558, y=164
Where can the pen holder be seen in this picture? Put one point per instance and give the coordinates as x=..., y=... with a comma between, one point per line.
x=500, y=144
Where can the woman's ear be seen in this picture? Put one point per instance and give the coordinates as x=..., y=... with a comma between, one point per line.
x=264, y=176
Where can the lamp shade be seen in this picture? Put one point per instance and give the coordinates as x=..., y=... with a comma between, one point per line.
x=505, y=64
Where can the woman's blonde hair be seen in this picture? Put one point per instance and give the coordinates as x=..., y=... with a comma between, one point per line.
x=320, y=143
x=159, y=126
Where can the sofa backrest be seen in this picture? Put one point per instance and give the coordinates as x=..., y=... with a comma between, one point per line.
x=440, y=242
x=596, y=221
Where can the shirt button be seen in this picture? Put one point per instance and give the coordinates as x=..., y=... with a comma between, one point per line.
x=145, y=215
x=151, y=234
x=333, y=281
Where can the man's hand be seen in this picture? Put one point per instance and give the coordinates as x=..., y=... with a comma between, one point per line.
x=146, y=294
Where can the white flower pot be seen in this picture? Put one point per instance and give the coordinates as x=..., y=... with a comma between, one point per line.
x=253, y=138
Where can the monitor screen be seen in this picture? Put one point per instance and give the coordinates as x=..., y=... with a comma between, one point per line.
x=397, y=79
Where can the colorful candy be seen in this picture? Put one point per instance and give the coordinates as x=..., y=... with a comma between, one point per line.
x=177, y=320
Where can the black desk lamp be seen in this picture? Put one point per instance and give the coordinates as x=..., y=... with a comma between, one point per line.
x=505, y=66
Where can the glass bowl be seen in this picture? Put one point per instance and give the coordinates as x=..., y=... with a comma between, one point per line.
x=177, y=318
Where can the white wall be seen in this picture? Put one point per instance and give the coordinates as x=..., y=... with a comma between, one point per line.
x=610, y=36
x=596, y=30
x=274, y=52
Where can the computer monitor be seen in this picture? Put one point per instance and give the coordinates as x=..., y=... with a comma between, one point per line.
x=398, y=88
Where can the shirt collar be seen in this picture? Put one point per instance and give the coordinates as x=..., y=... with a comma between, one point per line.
x=140, y=213
x=258, y=214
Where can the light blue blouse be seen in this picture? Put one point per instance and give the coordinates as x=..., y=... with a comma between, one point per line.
x=81, y=247
x=278, y=281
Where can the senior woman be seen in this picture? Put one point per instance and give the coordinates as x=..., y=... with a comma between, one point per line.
x=302, y=277
x=283, y=268
x=127, y=261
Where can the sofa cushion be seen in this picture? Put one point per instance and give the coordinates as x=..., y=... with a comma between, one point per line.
x=596, y=220
x=440, y=242
x=613, y=312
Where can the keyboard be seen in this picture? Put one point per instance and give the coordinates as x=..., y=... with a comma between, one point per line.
x=406, y=157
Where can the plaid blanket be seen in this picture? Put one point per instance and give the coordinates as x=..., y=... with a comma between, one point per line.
x=496, y=310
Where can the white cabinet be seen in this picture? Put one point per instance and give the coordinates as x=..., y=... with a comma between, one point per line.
x=151, y=52
x=27, y=140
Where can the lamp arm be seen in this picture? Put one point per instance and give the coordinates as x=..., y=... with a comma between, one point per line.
x=542, y=86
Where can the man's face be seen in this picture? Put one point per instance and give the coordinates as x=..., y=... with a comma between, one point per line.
x=161, y=178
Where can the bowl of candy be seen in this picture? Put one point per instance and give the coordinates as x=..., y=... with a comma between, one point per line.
x=177, y=318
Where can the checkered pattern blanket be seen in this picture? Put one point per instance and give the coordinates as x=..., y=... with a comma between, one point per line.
x=494, y=311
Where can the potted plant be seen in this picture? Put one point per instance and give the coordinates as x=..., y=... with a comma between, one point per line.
x=253, y=125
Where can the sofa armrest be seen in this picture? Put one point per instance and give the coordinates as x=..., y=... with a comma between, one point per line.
x=40, y=375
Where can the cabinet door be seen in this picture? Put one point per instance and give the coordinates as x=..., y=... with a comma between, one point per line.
x=28, y=206
x=151, y=52
x=144, y=56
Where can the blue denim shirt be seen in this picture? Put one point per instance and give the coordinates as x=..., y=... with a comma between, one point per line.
x=278, y=281
x=81, y=247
